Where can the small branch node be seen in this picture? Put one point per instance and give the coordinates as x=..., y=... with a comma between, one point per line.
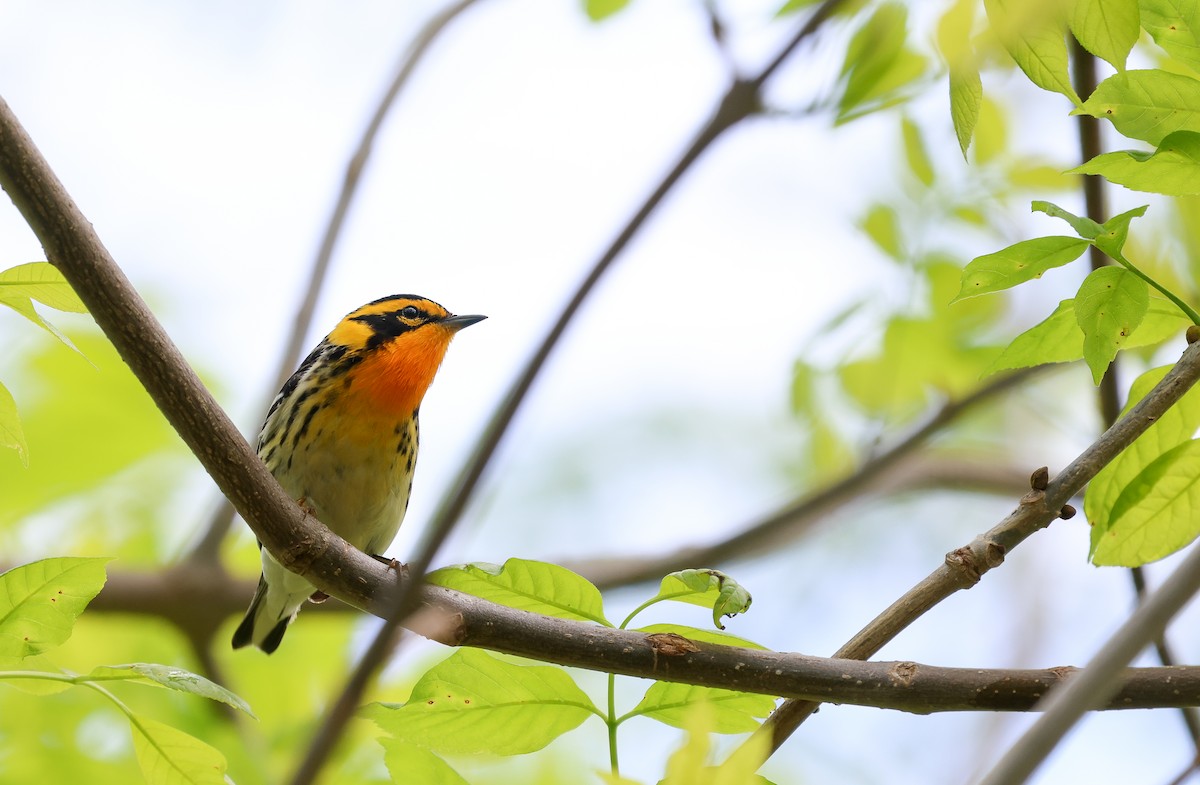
x=993, y=554
x=1040, y=478
x=668, y=644
x=1067, y=512
x=1033, y=498
x=1193, y=333
x=962, y=562
x=903, y=673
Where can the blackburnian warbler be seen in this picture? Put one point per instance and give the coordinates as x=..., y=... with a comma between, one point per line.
x=341, y=438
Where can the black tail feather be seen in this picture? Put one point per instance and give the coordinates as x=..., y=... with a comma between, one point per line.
x=244, y=634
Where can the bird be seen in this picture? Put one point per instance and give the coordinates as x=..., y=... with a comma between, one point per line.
x=341, y=438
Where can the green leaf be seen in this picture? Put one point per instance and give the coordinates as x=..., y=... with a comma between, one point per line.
x=1107, y=28
x=1155, y=514
x=472, y=703
x=877, y=63
x=793, y=6
x=689, y=764
x=733, y=712
x=39, y=602
x=1175, y=26
x=915, y=153
x=598, y=10
x=1017, y=264
x=966, y=90
x=991, y=131
x=12, y=435
x=1035, y=39
x=1146, y=105
x=1084, y=227
x=83, y=441
x=706, y=588
x=170, y=677
x=1029, y=174
x=1163, y=320
x=1174, y=427
x=966, y=95
x=168, y=756
x=39, y=281
x=26, y=309
x=882, y=226
x=1115, y=231
x=410, y=763
x=1056, y=339
x=532, y=586
x=1110, y=305
x=1173, y=169
x=701, y=635
x=954, y=32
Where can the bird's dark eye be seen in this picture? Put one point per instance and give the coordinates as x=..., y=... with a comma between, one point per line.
x=410, y=312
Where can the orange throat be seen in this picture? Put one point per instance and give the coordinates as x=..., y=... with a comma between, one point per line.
x=393, y=379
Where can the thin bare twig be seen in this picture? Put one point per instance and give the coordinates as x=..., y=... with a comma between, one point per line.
x=1186, y=774
x=1191, y=717
x=741, y=100
x=965, y=566
x=209, y=546
x=1095, y=684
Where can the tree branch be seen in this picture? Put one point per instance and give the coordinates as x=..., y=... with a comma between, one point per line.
x=457, y=619
x=965, y=566
x=1092, y=687
x=301, y=542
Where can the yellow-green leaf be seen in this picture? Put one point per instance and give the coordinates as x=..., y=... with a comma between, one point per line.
x=472, y=703
x=1175, y=26
x=1174, y=427
x=1107, y=28
x=598, y=10
x=1173, y=169
x=12, y=435
x=39, y=602
x=915, y=153
x=537, y=587
x=733, y=712
x=1018, y=263
x=410, y=763
x=966, y=96
x=1156, y=513
x=39, y=281
x=882, y=226
x=1110, y=305
x=168, y=756
x=1147, y=105
x=1035, y=38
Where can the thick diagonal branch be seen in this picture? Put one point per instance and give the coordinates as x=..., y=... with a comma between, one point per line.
x=965, y=566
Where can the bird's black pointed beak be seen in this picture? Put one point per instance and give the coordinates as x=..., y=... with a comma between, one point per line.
x=456, y=323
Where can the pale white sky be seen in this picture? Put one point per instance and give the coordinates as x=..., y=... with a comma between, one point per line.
x=206, y=145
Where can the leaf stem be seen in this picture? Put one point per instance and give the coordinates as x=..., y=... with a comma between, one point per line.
x=612, y=722
x=1131, y=267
